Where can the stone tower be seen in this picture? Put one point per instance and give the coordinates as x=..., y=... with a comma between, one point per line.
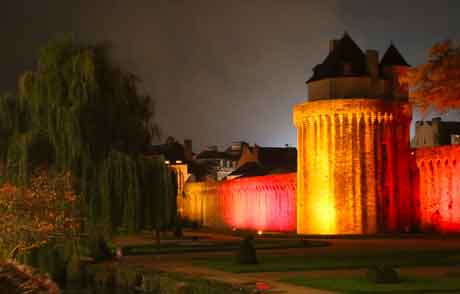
x=353, y=144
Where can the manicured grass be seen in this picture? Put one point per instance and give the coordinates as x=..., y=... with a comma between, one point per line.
x=205, y=246
x=337, y=261
x=362, y=286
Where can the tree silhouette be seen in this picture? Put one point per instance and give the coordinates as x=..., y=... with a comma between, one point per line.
x=78, y=112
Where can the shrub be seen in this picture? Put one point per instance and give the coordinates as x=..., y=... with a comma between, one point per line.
x=383, y=275
x=100, y=249
x=19, y=279
x=247, y=252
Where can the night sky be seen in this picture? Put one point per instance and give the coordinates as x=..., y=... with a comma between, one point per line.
x=221, y=71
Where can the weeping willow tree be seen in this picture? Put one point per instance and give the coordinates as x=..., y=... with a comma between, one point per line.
x=77, y=111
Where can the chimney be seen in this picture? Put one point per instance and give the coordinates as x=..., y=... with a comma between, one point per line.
x=333, y=44
x=188, y=151
x=372, y=60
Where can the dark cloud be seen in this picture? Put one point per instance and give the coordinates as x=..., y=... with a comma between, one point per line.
x=223, y=70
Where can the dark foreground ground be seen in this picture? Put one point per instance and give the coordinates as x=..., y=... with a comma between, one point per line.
x=289, y=264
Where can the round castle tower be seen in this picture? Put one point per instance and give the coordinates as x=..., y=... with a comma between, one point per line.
x=353, y=145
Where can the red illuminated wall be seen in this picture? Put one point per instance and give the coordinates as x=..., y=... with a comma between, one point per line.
x=438, y=193
x=265, y=203
x=268, y=203
x=396, y=205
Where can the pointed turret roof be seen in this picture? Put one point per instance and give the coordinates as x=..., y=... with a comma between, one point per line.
x=346, y=52
x=392, y=57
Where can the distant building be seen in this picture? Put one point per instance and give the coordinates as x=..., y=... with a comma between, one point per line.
x=261, y=161
x=215, y=165
x=177, y=156
x=173, y=151
x=436, y=133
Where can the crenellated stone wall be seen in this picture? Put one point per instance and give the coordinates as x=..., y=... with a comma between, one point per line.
x=370, y=184
x=356, y=175
x=264, y=203
x=201, y=204
x=438, y=197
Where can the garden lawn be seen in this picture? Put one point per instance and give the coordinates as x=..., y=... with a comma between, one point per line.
x=210, y=246
x=362, y=286
x=269, y=263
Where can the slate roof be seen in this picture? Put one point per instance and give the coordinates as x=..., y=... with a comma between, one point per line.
x=392, y=57
x=250, y=169
x=274, y=158
x=211, y=154
x=202, y=169
x=270, y=160
x=346, y=51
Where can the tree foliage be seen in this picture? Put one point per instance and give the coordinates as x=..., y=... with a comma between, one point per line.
x=436, y=83
x=19, y=279
x=85, y=104
x=77, y=112
x=33, y=216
